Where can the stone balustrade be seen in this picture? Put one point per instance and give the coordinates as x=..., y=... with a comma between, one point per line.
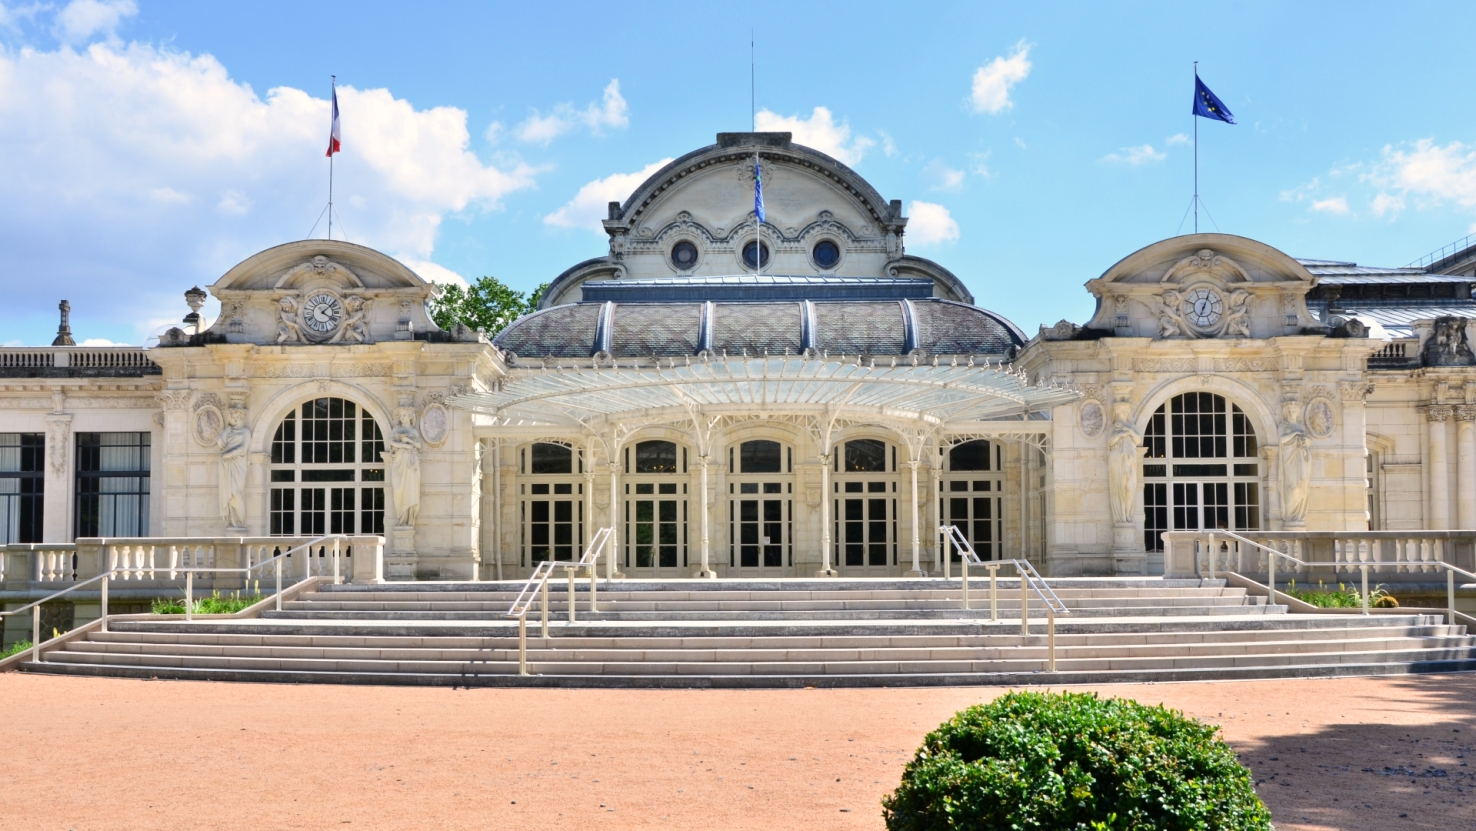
x=1395, y=556
x=66, y=360
x=143, y=562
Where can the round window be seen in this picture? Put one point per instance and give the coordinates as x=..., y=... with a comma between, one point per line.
x=826, y=254
x=749, y=257
x=684, y=255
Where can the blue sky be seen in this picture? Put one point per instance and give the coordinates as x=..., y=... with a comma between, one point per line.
x=148, y=146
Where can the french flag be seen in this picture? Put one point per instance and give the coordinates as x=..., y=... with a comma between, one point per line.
x=335, y=138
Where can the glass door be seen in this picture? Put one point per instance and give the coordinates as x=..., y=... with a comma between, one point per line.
x=865, y=505
x=762, y=518
x=973, y=497
x=654, y=513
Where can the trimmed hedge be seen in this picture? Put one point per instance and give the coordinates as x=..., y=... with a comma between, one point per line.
x=1052, y=762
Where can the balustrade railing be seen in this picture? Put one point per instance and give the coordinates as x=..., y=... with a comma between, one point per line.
x=1397, y=556
x=218, y=561
x=78, y=357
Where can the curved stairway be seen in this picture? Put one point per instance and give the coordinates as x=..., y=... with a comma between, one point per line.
x=770, y=633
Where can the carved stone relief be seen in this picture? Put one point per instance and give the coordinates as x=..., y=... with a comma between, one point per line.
x=1093, y=419
x=1321, y=418
x=1448, y=344
x=435, y=424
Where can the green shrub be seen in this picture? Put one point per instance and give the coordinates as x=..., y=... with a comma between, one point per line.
x=1033, y=761
x=18, y=646
x=212, y=605
x=1346, y=597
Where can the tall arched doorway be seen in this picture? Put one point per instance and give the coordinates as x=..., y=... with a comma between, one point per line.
x=973, y=496
x=760, y=508
x=1202, y=470
x=655, y=509
x=327, y=471
x=550, y=503
x=864, y=481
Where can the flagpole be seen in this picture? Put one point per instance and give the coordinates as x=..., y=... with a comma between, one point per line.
x=1195, y=119
x=334, y=85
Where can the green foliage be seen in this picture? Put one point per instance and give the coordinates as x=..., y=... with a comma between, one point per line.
x=212, y=605
x=1346, y=597
x=17, y=647
x=487, y=305
x=1033, y=761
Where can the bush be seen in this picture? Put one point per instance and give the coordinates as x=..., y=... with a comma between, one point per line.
x=1346, y=597
x=1074, y=761
x=18, y=646
x=212, y=605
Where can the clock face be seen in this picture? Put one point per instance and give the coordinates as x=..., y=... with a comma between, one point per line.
x=1203, y=307
x=322, y=313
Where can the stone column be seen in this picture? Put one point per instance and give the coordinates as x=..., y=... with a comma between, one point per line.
x=1438, y=415
x=706, y=569
x=614, y=543
x=825, y=569
x=1466, y=467
x=916, y=535
x=57, y=501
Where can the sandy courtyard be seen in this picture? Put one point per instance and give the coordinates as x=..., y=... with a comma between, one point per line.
x=86, y=754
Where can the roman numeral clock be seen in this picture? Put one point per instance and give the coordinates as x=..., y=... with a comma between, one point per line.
x=322, y=313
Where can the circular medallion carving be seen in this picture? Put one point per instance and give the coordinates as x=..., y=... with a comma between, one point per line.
x=1093, y=419
x=1203, y=307
x=322, y=314
x=435, y=423
x=1321, y=419
x=207, y=425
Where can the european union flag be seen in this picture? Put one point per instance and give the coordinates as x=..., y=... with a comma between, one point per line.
x=1207, y=105
x=758, y=190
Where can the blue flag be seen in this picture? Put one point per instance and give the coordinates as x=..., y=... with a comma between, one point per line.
x=1207, y=105
x=758, y=190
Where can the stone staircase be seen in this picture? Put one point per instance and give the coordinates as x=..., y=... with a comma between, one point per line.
x=770, y=633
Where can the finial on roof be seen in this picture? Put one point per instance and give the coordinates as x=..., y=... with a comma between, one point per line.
x=64, y=331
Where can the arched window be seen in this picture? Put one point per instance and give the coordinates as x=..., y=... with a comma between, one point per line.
x=551, y=502
x=760, y=508
x=654, y=508
x=865, y=507
x=973, y=496
x=327, y=471
x=1202, y=468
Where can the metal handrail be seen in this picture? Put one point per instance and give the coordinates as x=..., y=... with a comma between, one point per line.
x=537, y=584
x=1030, y=579
x=1450, y=570
x=105, y=577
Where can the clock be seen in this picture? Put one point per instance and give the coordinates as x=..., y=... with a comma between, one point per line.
x=322, y=313
x=1203, y=307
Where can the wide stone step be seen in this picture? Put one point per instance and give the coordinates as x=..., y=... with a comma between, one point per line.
x=616, y=604
x=570, y=665
x=543, y=678
x=556, y=650
x=559, y=589
x=869, y=584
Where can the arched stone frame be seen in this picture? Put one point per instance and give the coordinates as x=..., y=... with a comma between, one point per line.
x=799, y=469
x=264, y=427
x=1235, y=393
x=1377, y=447
x=897, y=494
x=688, y=493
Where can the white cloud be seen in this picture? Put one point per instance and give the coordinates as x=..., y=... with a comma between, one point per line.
x=82, y=19
x=1333, y=205
x=1426, y=169
x=889, y=147
x=590, y=205
x=1176, y=138
x=819, y=131
x=942, y=176
x=1019, y=142
x=436, y=273
x=979, y=164
x=494, y=131
x=1384, y=203
x=993, y=81
x=1139, y=155
x=117, y=137
x=100, y=342
x=929, y=223
x=611, y=112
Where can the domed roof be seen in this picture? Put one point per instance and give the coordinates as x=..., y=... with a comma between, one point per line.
x=642, y=330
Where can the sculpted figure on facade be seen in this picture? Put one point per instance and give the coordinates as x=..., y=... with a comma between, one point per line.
x=234, y=441
x=1125, y=449
x=354, y=329
x=287, y=328
x=1237, y=315
x=1170, y=324
x=1448, y=344
x=1296, y=472
x=402, y=452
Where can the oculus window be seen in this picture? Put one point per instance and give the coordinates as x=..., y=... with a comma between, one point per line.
x=684, y=255
x=826, y=254
x=755, y=255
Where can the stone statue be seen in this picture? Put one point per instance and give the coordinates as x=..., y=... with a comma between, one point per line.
x=1124, y=450
x=354, y=328
x=1169, y=323
x=233, y=443
x=287, y=328
x=402, y=452
x=1296, y=472
x=1448, y=344
x=1237, y=316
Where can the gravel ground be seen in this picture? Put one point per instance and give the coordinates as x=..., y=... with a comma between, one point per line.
x=97, y=753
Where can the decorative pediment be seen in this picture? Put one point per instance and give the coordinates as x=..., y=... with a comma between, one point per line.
x=319, y=271
x=1205, y=261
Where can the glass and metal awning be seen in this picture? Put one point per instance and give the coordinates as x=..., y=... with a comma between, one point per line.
x=942, y=394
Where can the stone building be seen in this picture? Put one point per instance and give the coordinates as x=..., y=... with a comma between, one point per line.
x=793, y=397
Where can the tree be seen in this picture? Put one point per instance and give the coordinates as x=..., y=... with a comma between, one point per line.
x=487, y=305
